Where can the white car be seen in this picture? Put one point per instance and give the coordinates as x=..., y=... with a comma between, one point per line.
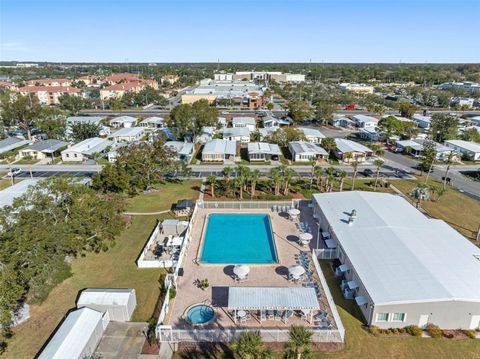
x=14, y=172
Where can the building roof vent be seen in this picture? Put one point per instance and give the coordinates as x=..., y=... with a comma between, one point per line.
x=352, y=217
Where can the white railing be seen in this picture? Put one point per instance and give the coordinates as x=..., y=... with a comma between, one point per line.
x=245, y=204
x=171, y=279
x=146, y=263
x=325, y=253
x=328, y=295
x=225, y=335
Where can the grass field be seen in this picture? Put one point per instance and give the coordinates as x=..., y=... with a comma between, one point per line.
x=163, y=198
x=455, y=208
x=4, y=183
x=114, y=268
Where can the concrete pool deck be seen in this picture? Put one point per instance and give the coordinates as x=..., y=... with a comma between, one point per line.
x=220, y=276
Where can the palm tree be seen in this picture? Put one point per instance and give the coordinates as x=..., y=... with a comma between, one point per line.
x=243, y=171
x=212, y=180
x=347, y=156
x=227, y=172
x=288, y=175
x=250, y=345
x=449, y=162
x=342, y=175
x=254, y=176
x=240, y=182
x=276, y=176
x=319, y=171
x=354, y=164
x=329, y=182
x=379, y=164
x=300, y=342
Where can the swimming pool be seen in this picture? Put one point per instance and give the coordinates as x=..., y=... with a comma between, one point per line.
x=239, y=239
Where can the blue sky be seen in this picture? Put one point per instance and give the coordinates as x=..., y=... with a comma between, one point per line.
x=240, y=31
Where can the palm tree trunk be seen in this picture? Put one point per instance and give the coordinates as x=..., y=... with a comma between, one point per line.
x=445, y=177
x=428, y=174
x=213, y=189
x=354, y=177
x=341, y=185
x=241, y=191
x=376, y=179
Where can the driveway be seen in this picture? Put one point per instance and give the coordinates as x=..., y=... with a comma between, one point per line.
x=122, y=341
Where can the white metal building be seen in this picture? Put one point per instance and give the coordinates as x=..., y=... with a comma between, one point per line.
x=78, y=336
x=118, y=303
x=401, y=267
x=305, y=151
x=85, y=149
x=466, y=148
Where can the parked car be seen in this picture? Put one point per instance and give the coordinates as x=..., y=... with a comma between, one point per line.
x=14, y=172
x=367, y=172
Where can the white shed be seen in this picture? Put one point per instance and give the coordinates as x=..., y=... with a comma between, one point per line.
x=119, y=303
x=78, y=336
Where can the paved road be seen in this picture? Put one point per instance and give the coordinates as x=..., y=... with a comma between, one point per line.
x=458, y=180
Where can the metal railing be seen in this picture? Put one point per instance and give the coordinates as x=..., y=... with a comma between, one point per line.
x=325, y=253
x=244, y=205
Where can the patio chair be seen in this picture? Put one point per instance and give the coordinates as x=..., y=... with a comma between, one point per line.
x=288, y=314
x=308, y=284
x=279, y=314
x=245, y=318
x=270, y=314
x=321, y=316
x=263, y=315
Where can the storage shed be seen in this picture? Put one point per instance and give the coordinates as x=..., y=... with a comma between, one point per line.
x=119, y=303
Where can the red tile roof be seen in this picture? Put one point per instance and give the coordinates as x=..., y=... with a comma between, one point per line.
x=69, y=89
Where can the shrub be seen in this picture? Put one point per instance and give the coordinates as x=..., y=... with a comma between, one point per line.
x=434, y=331
x=472, y=334
x=173, y=292
x=414, y=330
x=374, y=330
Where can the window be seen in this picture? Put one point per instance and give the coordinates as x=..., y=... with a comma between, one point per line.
x=398, y=317
x=382, y=317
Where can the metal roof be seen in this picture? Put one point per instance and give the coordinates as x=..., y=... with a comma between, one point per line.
x=293, y=298
x=466, y=145
x=10, y=143
x=345, y=146
x=85, y=119
x=220, y=146
x=73, y=335
x=105, y=296
x=127, y=132
x=124, y=119
x=8, y=194
x=180, y=147
x=307, y=147
x=399, y=254
x=264, y=147
x=364, y=119
x=47, y=146
x=311, y=132
x=236, y=132
x=90, y=145
x=244, y=120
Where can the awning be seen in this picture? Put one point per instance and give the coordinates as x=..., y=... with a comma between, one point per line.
x=352, y=284
x=330, y=243
x=361, y=300
x=343, y=267
x=271, y=298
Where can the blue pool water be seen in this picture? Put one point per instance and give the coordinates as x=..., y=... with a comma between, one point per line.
x=239, y=239
x=200, y=314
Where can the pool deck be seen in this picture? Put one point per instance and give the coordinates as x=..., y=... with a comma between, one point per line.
x=220, y=277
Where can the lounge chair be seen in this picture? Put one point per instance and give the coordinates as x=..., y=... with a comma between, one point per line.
x=279, y=314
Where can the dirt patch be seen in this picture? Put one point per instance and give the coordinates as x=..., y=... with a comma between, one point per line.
x=150, y=348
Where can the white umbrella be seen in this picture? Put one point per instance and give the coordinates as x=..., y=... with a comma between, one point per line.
x=296, y=271
x=305, y=237
x=293, y=212
x=241, y=270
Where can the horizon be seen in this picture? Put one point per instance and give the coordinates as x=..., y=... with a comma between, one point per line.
x=262, y=32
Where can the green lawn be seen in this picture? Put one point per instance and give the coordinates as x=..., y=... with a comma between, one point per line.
x=455, y=208
x=163, y=198
x=114, y=268
x=4, y=183
x=27, y=161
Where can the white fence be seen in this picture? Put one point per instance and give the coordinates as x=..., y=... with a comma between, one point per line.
x=171, y=279
x=224, y=335
x=246, y=204
x=325, y=253
x=328, y=295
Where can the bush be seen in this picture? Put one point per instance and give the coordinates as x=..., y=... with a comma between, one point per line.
x=434, y=331
x=374, y=330
x=173, y=292
x=414, y=330
x=472, y=334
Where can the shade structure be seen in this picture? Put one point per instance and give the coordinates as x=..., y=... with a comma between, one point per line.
x=241, y=270
x=296, y=271
x=272, y=298
x=293, y=212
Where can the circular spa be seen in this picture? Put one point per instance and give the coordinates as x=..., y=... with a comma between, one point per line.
x=200, y=314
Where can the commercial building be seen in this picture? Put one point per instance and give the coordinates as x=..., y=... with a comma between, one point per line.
x=467, y=85
x=357, y=88
x=264, y=76
x=78, y=336
x=465, y=148
x=401, y=267
x=262, y=151
x=302, y=151
x=118, y=303
x=85, y=150
x=237, y=93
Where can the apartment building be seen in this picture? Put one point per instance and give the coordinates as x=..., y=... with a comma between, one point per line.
x=48, y=95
